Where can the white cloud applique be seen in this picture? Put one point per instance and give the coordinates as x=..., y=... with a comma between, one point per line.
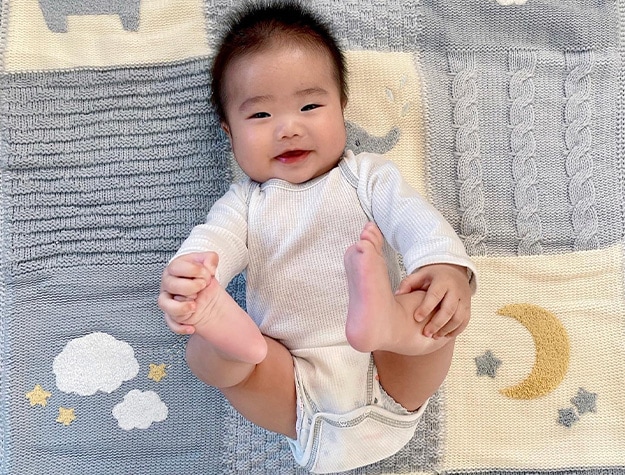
x=95, y=362
x=139, y=410
x=100, y=362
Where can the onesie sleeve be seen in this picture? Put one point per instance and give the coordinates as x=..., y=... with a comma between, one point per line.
x=410, y=224
x=224, y=232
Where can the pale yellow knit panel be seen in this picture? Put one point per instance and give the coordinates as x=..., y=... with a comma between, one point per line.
x=169, y=30
x=570, y=333
x=385, y=93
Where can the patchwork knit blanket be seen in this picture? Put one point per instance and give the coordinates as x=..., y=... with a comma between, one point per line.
x=509, y=115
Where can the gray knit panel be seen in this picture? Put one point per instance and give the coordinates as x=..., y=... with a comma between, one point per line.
x=548, y=25
x=104, y=172
x=50, y=308
x=104, y=167
x=389, y=25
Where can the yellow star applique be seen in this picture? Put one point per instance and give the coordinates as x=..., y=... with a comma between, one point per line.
x=66, y=416
x=157, y=372
x=38, y=396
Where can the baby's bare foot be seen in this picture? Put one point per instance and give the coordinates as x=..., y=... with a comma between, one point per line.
x=227, y=327
x=376, y=318
x=371, y=300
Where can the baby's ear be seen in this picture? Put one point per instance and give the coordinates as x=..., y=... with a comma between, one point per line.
x=226, y=129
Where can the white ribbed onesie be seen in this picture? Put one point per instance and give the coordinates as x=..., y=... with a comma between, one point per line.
x=290, y=240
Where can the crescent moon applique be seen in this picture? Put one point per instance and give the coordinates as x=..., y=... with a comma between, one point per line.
x=552, y=351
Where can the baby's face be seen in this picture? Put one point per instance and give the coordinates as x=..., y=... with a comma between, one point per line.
x=284, y=113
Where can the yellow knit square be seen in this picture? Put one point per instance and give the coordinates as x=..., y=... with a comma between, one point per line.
x=537, y=380
x=385, y=97
x=167, y=30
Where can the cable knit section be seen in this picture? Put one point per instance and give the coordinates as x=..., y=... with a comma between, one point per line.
x=467, y=150
x=578, y=139
x=522, y=66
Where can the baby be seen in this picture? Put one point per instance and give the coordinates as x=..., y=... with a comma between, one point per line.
x=333, y=351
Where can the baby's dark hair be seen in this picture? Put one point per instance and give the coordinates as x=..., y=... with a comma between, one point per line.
x=260, y=24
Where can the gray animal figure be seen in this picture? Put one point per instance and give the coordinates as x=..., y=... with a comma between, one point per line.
x=55, y=12
x=359, y=140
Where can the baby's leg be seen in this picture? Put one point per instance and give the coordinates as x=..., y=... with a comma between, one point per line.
x=263, y=393
x=411, y=380
x=254, y=372
x=376, y=318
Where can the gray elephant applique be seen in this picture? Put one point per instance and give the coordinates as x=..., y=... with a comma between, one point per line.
x=359, y=140
x=55, y=12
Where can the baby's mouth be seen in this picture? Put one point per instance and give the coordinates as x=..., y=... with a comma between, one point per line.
x=292, y=156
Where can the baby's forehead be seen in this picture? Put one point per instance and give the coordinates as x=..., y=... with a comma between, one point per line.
x=281, y=41
x=300, y=69
x=277, y=53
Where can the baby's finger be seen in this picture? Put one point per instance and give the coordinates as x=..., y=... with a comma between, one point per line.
x=458, y=330
x=448, y=328
x=431, y=300
x=185, y=298
x=458, y=323
x=174, y=308
x=443, y=316
x=178, y=328
x=403, y=288
x=188, y=268
x=209, y=261
x=182, y=286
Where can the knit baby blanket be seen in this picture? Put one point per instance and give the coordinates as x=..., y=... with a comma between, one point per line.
x=509, y=115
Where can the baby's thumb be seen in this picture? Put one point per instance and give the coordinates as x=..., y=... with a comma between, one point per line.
x=210, y=261
x=410, y=283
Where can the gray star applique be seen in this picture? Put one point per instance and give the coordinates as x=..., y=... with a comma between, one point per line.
x=585, y=401
x=487, y=364
x=567, y=417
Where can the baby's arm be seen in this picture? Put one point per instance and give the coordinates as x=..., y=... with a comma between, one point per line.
x=182, y=280
x=447, y=298
x=420, y=233
x=224, y=234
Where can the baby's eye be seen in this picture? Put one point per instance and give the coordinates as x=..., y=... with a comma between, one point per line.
x=310, y=107
x=259, y=115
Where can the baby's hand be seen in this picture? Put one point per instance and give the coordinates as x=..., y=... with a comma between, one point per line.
x=447, y=298
x=181, y=282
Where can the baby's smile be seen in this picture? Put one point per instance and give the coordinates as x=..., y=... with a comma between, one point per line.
x=293, y=156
